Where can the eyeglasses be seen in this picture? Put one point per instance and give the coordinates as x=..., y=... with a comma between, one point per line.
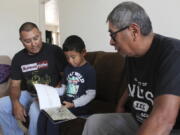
x=113, y=34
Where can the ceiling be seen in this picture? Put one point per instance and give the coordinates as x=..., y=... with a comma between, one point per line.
x=51, y=12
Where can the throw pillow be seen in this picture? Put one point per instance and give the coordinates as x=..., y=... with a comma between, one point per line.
x=4, y=72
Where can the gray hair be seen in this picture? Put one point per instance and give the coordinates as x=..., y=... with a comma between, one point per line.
x=127, y=13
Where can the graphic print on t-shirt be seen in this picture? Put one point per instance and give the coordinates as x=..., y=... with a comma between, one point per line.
x=34, y=66
x=36, y=73
x=38, y=77
x=73, y=79
x=141, y=99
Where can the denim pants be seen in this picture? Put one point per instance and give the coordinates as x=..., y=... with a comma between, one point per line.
x=113, y=124
x=8, y=122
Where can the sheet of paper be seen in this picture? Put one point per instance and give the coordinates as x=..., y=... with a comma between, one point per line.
x=60, y=113
x=48, y=96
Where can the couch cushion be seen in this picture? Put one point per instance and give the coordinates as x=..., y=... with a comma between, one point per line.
x=109, y=75
x=73, y=127
x=5, y=60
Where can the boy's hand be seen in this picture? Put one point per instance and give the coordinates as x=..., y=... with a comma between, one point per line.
x=68, y=104
x=58, y=85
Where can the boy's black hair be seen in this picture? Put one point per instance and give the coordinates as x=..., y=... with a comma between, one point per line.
x=73, y=43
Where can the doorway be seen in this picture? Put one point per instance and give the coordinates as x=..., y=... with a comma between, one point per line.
x=52, y=22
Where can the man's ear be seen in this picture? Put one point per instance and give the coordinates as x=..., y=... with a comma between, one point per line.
x=135, y=30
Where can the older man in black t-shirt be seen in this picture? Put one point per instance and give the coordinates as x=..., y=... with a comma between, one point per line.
x=152, y=65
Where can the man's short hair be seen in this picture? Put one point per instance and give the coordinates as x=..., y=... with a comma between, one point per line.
x=73, y=43
x=27, y=26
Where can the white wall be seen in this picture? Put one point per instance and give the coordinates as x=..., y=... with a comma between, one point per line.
x=12, y=14
x=87, y=18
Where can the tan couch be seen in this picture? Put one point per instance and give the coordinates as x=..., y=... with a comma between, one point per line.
x=4, y=86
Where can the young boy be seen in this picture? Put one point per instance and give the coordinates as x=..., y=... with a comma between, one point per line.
x=80, y=78
x=78, y=86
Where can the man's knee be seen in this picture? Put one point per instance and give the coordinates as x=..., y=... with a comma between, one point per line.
x=34, y=112
x=96, y=120
x=34, y=107
x=5, y=105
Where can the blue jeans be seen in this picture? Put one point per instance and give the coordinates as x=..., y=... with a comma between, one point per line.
x=8, y=122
